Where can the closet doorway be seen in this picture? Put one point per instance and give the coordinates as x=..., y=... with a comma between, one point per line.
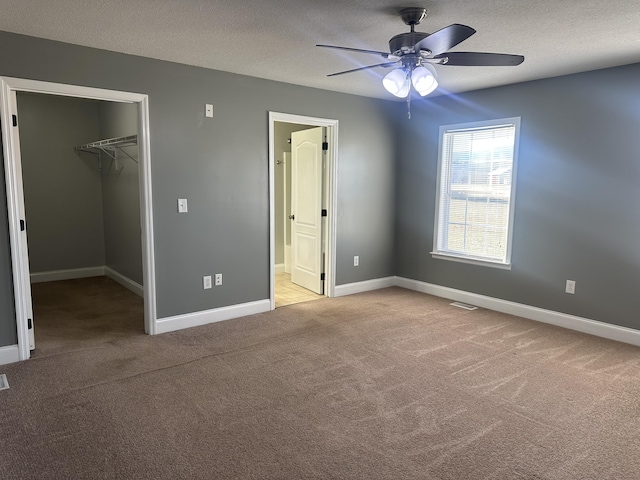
x=77, y=168
x=302, y=161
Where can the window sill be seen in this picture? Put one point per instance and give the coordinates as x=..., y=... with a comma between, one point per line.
x=471, y=260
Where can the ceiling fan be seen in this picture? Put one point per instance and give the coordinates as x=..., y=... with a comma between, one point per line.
x=415, y=53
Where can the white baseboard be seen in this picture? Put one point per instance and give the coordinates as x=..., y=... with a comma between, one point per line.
x=68, y=274
x=279, y=268
x=572, y=322
x=365, y=286
x=9, y=354
x=178, y=322
x=126, y=282
x=73, y=273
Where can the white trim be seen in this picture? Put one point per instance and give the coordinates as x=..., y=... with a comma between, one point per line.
x=74, y=273
x=146, y=218
x=15, y=212
x=67, y=274
x=279, y=268
x=332, y=179
x=564, y=320
x=205, y=317
x=37, y=86
x=471, y=260
x=15, y=197
x=365, y=286
x=10, y=354
x=126, y=282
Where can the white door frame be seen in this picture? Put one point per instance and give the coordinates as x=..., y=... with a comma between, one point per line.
x=331, y=176
x=15, y=194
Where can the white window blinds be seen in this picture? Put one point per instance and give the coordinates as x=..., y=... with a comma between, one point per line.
x=475, y=192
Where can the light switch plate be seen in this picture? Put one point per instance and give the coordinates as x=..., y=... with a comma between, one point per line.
x=182, y=205
x=208, y=110
x=570, y=287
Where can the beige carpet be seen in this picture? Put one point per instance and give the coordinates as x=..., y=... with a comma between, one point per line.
x=390, y=384
x=83, y=313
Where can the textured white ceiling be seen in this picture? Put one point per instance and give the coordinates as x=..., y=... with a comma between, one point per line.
x=275, y=39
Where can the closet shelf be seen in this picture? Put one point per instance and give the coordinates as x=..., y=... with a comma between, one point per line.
x=110, y=147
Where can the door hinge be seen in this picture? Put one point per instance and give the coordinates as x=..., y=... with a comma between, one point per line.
x=22, y=225
x=325, y=146
x=322, y=276
x=15, y=120
x=29, y=323
x=324, y=212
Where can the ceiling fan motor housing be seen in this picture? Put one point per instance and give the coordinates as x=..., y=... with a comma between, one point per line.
x=405, y=42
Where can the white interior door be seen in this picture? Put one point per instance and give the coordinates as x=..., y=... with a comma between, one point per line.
x=306, y=209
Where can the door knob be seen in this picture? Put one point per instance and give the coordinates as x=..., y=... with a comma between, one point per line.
x=292, y=217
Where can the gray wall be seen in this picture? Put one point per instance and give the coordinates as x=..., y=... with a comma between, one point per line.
x=221, y=166
x=577, y=210
x=78, y=216
x=577, y=214
x=121, y=193
x=62, y=192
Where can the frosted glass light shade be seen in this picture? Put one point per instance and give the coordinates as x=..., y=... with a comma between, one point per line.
x=424, y=79
x=397, y=83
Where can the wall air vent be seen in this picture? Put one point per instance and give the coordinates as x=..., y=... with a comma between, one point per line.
x=466, y=306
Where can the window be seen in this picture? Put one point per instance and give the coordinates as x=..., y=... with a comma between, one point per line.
x=476, y=190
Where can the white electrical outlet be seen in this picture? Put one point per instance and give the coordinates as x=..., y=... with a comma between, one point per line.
x=356, y=260
x=206, y=282
x=570, y=287
x=218, y=279
x=208, y=110
x=182, y=205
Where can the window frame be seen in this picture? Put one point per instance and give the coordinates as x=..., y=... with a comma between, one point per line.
x=474, y=259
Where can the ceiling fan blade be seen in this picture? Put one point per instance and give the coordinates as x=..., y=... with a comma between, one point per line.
x=374, y=52
x=479, y=59
x=445, y=38
x=384, y=65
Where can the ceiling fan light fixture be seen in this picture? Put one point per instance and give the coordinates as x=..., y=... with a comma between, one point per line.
x=397, y=83
x=424, y=79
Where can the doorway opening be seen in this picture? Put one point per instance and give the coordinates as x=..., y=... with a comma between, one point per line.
x=97, y=242
x=303, y=160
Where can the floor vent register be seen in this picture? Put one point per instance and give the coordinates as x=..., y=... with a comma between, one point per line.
x=466, y=306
